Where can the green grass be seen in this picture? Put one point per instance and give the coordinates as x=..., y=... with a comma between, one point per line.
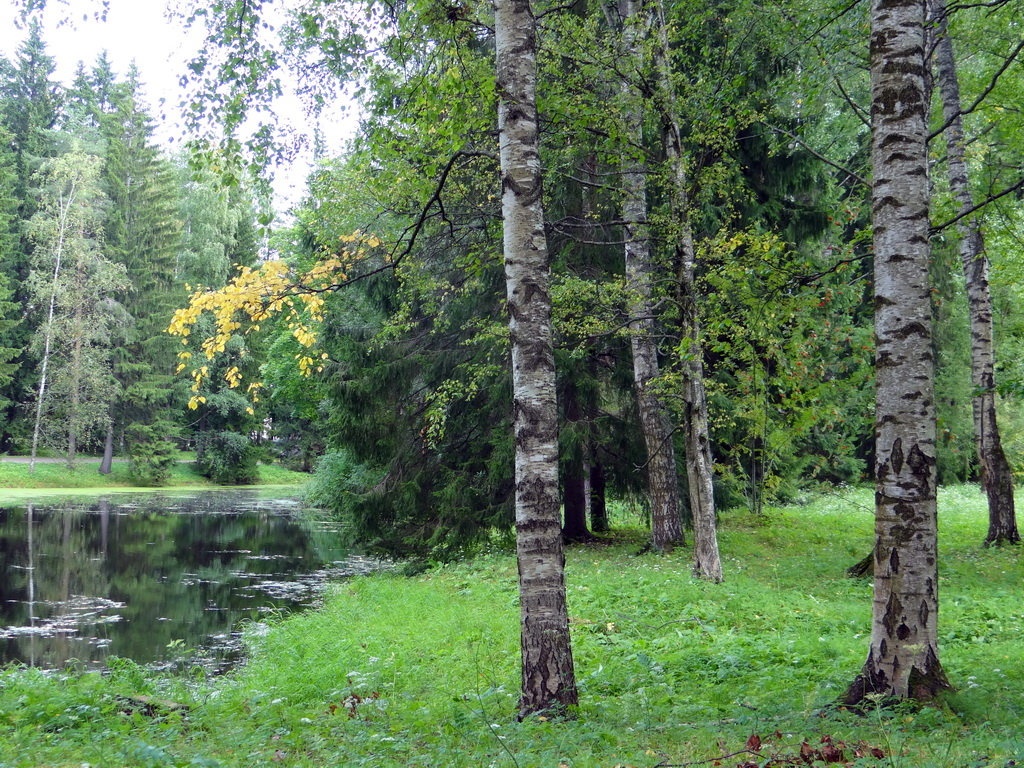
x=422, y=671
x=85, y=477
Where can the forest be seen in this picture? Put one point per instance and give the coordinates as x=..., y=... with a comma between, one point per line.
x=683, y=257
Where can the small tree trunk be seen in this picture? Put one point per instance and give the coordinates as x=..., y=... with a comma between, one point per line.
x=108, y=450
x=903, y=660
x=548, y=677
x=996, y=476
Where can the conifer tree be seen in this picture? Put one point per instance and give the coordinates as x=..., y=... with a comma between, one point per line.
x=30, y=99
x=142, y=233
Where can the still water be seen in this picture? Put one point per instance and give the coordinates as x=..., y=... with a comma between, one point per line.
x=155, y=577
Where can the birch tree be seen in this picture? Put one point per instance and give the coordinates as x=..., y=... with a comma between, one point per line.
x=699, y=464
x=71, y=284
x=548, y=680
x=903, y=660
x=662, y=481
x=996, y=476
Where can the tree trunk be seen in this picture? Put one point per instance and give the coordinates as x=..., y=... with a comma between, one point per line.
x=574, y=480
x=108, y=451
x=598, y=503
x=574, y=501
x=662, y=479
x=903, y=660
x=996, y=477
x=699, y=465
x=548, y=678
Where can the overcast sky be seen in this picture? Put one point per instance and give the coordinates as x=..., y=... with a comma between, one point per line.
x=140, y=31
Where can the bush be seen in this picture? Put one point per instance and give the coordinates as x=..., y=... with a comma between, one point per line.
x=151, y=454
x=228, y=458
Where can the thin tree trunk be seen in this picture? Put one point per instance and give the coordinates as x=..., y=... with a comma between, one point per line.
x=903, y=660
x=996, y=476
x=548, y=678
x=707, y=563
x=662, y=480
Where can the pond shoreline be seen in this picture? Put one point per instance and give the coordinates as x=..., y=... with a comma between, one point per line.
x=12, y=495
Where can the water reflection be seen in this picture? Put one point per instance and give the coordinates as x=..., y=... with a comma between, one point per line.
x=149, y=576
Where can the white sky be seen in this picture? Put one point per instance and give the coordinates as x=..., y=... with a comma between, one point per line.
x=140, y=31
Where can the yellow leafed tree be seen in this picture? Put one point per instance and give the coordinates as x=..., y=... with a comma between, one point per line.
x=256, y=294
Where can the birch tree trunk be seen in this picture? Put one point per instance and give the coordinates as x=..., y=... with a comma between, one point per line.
x=699, y=465
x=662, y=480
x=548, y=679
x=996, y=477
x=903, y=660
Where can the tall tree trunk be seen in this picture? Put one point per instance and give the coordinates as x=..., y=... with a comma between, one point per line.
x=699, y=465
x=996, y=477
x=903, y=660
x=548, y=678
x=662, y=480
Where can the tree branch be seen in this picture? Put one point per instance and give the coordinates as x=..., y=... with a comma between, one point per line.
x=983, y=95
x=852, y=174
x=990, y=199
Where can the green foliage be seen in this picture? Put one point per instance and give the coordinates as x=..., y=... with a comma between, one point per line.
x=227, y=458
x=151, y=453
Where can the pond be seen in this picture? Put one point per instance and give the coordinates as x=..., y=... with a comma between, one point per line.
x=156, y=578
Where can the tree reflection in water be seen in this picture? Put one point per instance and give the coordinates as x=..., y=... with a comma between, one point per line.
x=149, y=576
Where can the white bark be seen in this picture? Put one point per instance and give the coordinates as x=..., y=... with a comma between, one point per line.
x=903, y=658
x=662, y=480
x=699, y=463
x=548, y=681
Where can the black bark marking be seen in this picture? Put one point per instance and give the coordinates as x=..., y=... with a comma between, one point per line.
x=923, y=613
x=896, y=455
x=915, y=328
x=892, y=615
x=894, y=561
x=902, y=631
x=920, y=464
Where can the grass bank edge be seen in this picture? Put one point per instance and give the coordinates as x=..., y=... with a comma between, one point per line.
x=57, y=480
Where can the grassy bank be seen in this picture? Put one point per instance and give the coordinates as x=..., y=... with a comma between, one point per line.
x=16, y=480
x=422, y=671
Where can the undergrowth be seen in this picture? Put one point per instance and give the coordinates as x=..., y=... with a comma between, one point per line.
x=423, y=671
